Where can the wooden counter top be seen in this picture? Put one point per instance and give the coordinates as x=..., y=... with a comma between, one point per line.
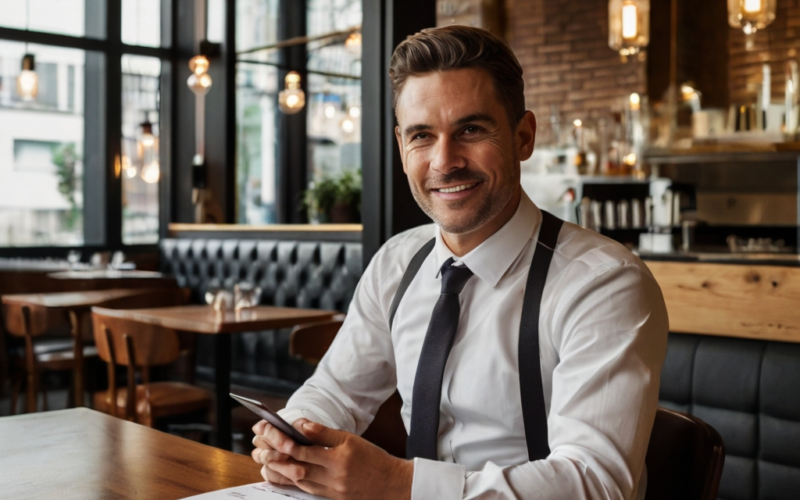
x=732, y=300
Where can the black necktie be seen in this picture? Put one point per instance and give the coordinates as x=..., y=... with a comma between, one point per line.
x=423, y=438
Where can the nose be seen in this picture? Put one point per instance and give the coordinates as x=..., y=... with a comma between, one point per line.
x=446, y=156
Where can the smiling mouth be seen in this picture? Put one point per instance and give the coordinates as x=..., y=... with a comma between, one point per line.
x=456, y=189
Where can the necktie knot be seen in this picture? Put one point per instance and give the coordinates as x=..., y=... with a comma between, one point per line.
x=454, y=277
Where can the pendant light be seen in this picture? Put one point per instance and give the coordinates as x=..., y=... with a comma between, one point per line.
x=628, y=26
x=28, y=80
x=199, y=81
x=292, y=98
x=751, y=16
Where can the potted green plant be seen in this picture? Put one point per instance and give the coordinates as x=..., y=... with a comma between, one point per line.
x=334, y=199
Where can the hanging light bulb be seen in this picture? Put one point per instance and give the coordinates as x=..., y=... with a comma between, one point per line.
x=199, y=65
x=629, y=26
x=199, y=84
x=348, y=126
x=147, y=139
x=750, y=16
x=199, y=81
x=353, y=43
x=151, y=172
x=128, y=168
x=28, y=80
x=292, y=98
x=355, y=112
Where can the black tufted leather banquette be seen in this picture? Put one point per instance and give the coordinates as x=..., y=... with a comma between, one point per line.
x=749, y=391
x=309, y=274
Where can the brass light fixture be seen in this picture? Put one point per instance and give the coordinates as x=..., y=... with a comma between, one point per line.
x=292, y=98
x=628, y=26
x=750, y=16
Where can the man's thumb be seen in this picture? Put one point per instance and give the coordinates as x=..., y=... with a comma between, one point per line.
x=323, y=436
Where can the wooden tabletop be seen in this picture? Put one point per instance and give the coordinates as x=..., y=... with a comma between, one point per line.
x=73, y=300
x=204, y=319
x=99, y=274
x=82, y=454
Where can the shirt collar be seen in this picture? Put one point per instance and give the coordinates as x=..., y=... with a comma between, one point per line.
x=491, y=259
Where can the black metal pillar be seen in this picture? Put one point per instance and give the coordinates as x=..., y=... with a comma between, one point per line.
x=292, y=133
x=388, y=207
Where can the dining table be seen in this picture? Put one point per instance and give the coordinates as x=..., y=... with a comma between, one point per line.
x=52, y=308
x=206, y=320
x=82, y=454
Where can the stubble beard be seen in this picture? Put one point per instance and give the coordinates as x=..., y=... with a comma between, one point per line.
x=488, y=207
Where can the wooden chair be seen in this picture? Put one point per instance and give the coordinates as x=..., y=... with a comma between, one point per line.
x=684, y=459
x=309, y=342
x=140, y=346
x=64, y=353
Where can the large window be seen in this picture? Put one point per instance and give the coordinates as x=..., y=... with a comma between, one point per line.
x=66, y=85
x=332, y=86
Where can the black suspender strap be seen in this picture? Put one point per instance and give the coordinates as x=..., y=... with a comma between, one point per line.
x=408, y=277
x=530, y=371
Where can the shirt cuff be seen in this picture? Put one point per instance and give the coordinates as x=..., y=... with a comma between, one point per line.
x=437, y=480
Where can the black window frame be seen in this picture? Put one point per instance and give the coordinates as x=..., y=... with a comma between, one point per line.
x=102, y=229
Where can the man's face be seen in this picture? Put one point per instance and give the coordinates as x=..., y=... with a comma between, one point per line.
x=459, y=151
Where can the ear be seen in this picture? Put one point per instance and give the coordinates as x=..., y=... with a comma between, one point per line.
x=525, y=135
x=400, y=146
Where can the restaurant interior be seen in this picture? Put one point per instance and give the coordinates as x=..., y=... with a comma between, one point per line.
x=215, y=176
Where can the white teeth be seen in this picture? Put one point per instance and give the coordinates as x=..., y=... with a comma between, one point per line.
x=456, y=189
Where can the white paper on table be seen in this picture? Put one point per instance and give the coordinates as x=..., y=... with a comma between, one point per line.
x=257, y=491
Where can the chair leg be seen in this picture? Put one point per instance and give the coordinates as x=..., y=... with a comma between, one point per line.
x=15, y=393
x=31, y=392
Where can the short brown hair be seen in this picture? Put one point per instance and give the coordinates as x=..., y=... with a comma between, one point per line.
x=459, y=47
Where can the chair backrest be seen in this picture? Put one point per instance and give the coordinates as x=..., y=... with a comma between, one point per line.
x=311, y=341
x=684, y=458
x=152, y=345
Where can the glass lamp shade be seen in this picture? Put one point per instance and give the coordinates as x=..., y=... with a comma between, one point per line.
x=151, y=172
x=751, y=15
x=628, y=25
x=28, y=80
x=199, y=84
x=292, y=99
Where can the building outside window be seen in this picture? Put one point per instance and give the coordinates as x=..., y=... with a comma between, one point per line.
x=53, y=141
x=332, y=95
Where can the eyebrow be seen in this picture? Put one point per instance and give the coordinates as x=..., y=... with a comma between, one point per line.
x=477, y=117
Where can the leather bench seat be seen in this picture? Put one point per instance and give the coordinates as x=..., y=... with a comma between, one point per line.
x=748, y=391
x=316, y=275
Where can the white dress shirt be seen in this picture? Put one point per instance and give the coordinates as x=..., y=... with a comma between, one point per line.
x=602, y=336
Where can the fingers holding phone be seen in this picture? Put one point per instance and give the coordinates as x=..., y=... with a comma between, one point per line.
x=267, y=441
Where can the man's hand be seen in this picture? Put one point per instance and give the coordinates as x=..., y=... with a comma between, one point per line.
x=341, y=465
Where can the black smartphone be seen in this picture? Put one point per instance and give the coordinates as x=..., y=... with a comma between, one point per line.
x=273, y=418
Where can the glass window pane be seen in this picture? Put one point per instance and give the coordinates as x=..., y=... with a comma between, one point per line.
x=141, y=22
x=256, y=142
x=334, y=93
x=140, y=144
x=64, y=17
x=257, y=26
x=41, y=147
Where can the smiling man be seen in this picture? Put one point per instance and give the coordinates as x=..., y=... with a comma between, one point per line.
x=527, y=352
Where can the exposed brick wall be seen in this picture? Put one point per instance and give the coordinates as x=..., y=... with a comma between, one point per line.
x=773, y=45
x=563, y=48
